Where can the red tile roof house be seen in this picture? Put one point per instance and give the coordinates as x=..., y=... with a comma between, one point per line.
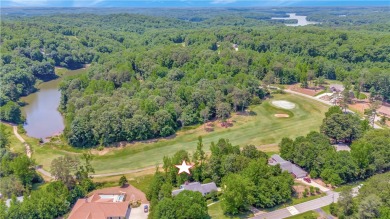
x=107, y=203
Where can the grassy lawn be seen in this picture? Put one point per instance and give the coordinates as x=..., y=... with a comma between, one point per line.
x=215, y=212
x=140, y=182
x=15, y=145
x=326, y=209
x=303, y=215
x=259, y=129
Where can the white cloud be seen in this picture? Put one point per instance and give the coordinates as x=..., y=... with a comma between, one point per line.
x=222, y=1
x=29, y=3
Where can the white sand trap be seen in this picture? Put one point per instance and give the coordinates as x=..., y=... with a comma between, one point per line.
x=283, y=104
x=282, y=115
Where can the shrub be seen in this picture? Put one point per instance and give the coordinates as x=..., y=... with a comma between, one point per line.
x=207, y=180
x=305, y=193
x=312, y=190
x=213, y=195
x=333, y=209
x=122, y=181
x=100, y=148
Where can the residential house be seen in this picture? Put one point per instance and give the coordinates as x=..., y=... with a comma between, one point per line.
x=107, y=203
x=293, y=169
x=197, y=187
x=336, y=88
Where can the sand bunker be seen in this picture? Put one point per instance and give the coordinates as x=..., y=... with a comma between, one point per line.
x=281, y=115
x=283, y=104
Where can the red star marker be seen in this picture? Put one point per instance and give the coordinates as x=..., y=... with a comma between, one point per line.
x=184, y=167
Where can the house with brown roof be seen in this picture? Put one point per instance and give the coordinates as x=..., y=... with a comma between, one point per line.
x=108, y=203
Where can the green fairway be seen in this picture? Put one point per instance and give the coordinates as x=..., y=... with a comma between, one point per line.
x=259, y=129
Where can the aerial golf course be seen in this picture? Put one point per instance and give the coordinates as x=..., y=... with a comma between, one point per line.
x=261, y=126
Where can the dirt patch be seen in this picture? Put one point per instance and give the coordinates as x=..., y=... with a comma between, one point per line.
x=312, y=91
x=282, y=115
x=360, y=105
x=227, y=124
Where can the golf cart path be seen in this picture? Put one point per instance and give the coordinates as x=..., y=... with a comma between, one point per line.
x=322, y=101
x=27, y=146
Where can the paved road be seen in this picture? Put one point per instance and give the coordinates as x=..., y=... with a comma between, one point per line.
x=301, y=208
x=124, y=172
x=306, y=206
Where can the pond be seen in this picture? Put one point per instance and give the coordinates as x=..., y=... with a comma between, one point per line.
x=302, y=21
x=41, y=112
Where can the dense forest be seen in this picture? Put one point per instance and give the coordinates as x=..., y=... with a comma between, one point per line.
x=151, y=75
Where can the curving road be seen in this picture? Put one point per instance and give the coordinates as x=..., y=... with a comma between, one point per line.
x=301, y=208
x=305, y=206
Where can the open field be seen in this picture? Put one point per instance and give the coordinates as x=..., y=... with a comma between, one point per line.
x=262, y=128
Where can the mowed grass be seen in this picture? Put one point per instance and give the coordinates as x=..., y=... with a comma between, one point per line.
x=259, y=129
x=215, y=212
x=15, y=145
x=305, y=215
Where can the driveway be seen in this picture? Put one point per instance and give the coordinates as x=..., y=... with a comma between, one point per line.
x=138, y=213
x=322, y=188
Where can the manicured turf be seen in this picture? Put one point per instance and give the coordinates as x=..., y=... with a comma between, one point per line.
x=215, y=212
x=304, y=215
x=15, y=145
x=259, y=129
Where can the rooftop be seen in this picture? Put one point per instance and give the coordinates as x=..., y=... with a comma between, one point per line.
x=197, y=187
x=287, y=166
x=107, y=202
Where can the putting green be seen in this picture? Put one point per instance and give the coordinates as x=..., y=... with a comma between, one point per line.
x=259, y=128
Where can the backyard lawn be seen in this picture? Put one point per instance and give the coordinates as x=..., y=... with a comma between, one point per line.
x=259, y=128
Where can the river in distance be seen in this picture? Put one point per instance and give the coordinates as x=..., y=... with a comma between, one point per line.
x=43, y=119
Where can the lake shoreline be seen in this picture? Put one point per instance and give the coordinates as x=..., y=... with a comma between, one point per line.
x=301, y=20
x=43, y=120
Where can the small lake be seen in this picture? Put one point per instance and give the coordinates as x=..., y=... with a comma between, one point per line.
x=302, y=21
x=41, y=112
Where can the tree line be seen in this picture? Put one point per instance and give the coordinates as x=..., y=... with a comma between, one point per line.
x=243, y=175
x=314, y=152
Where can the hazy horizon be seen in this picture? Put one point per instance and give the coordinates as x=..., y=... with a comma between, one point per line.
x=187, y=3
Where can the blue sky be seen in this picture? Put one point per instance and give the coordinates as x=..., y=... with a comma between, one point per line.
x=186, y=3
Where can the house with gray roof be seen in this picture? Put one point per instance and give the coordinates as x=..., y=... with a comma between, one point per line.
x=197, y=187
x=337, y=88
x=294, y=169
